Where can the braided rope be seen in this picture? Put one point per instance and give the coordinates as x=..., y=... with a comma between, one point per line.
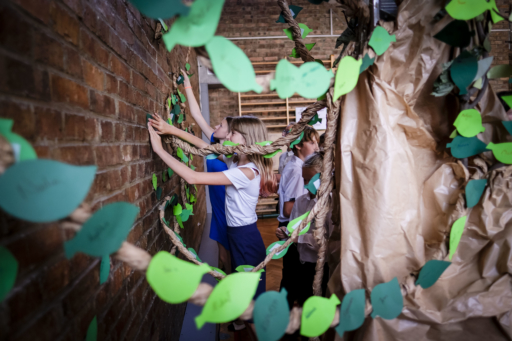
x=304, y=53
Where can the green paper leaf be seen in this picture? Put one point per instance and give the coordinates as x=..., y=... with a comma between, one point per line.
x=297, y=140
x=483, y=66
x=164, y=26
x=315, y=120
x=352, y=311
x=387, y=300
x=159, y=193
x=182, y=155
x=271, y=315
x=185, y=215
x=195, y=254
x=174, y=280
x=474, y=190
x=467, y=10
x=189, y=207
x=219, y=271
x=176, y=210
x=193, y=198
x=502, y=151
x=170, y=172
x=181, y=239
x=104, y=269
x=192, y=167
x=292, y=225
x=294, y=10
x=187, y=66
x=295, y=54
x=321, y=98
x=164, y=176
x=317, y=315
x=380, y=40
x=190, y=75
x=431, y=272
x=8, y=272
x=161, y=8
x=104, y=232
x=154, y=180
x=305, y=30
x=173, y=98
x=183, y=99
x=313, y=184
x=196, y=29
x=367, y=62
x=44, y=190
x=508, y=126
x=310, y=80
x=268, y=143
x=180, y=119
x=231, y=66
x=229, y=298
x=180, y=223
x=453, y=134
x=247, y=268
x=229, y=143
x=469, y=123
x=187, y=192
x=463, y=71
x=276, y=245
x=456, y=34
x=456, y=234
x=500, y=71
x=463, y=147
x=507, y=99
x=92, y=330
x=346, y=76
x=21, y=148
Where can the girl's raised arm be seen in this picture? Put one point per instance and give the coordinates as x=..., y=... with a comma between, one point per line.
x=194, y=108
x=163, y=128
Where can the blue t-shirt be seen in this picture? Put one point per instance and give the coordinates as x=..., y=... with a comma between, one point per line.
x=218, y=228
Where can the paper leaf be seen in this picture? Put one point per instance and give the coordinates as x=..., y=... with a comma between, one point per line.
x=463, y=70
x=170, y=172
x=469, y=123
x=229, y=143
x=456, y=34
x=190, y=75
x=181, y=155
x=174, y=280
x=183, y=99
x=367, y=62
x=295, y=54
x=181, y=239
x=292, y=225
x=462, y=147
x=44, y=190
x=508, y=126
x=431, y=272
x=346, y=76
x=193, y=198
x=268, y=143
x=159, y=193
x=173, y=98
x=387, y=300
x=453, y=134
x=189, y=207
x=352, y=311
x=176, y=210
x=231, y=66
x=276, y=245
x=180, y=119
x=502, y=151
x=25, y=150
x=297, y=140
x=500, y=71
x=316, y=119
x=474, y=190
x=154, y=180
x=104, y=232
x=164, y=9
x=304, y=29
x=185, y=215
x=483, y=66
x=507, y=99
x=8, y=272
x=313, y=184
x=219, y=271
x=164, y=26
x=247, y=268
x=196, y=29
x=92, y=330
x=271, y=315
x=104, y=269
x=294, y=10
x=317, y=315
x=180, y=223
x=380, y=40
x=195, y=254
x=456, y=234
x=229, y=298
x=187, y=66
x=467, y=10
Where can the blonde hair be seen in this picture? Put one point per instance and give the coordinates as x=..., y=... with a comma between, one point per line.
x=314, y=161
x=254, y=130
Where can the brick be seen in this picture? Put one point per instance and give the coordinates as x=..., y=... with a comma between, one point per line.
x=80, y=293
x=18, y=77
x=68, y=91
x=107, y=131
x=108, y=181
x=39, y=9
x=119, y=68
x=117, y=44
x=48, y=51
x=89, y=17
x=126, y=92
x=124, y=32
x=15, y=34
x=80, y=128
x=73, y=63
x=55, y=278
x=111, y=84
x=75, y=155
x=119, y=134
x=107, y=155
x=93, y=48
x=102, y=104
x=49, y=123
x=138, y=81
x=93, y=76
x=24, y=300
x=75, y=5
x=65, y=23
x=23, y=117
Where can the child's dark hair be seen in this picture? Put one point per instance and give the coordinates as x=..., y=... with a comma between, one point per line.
x=310, y=133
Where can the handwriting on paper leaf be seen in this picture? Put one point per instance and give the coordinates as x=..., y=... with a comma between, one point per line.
x=318, y=313
x=271, y=315
x=469, y=9
x=387, y=300
x=462, y=147
x=352, y=311
x=502, y=151
x=469, y=123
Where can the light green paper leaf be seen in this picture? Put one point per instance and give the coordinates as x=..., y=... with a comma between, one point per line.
x=187, y=66
x=24, y=149
x=8, y=272
x=231, y=66
x=431, y=272
x=189, y=207
x=180, y=118
x=92, y=330
x=196, y=29
x=180, y=223
x=229, y=143
x=292, y=225
x=176, y=210
x=387, y=300
x=462, y=147
x=229, y=298
x=469, y=123
x=297, y=140
x=44, y=190
x=104, y=232
x=183, y=99
x=193, y=198
x=478, y=83
x=164, y=26
x=314, y=184
x=182, y=155
x=295, y=54
x=507, y=99
x=104, y=269
x=380, y=40
x=219, y=271
x=161, y=8
x=352, y=311
x=456, y=234
x=271, y=315
x=502, y=151
x=154, y=180
x=173, y=98
x=304, y=29
x=195, y=254
x=275, y=245
x=453, y=134
x=346, y=76
x=469, y=9
x=500, y=71
x=174, y=280
x=317, y=315
x=268, y=143
x=474, y=190
x=247, y=268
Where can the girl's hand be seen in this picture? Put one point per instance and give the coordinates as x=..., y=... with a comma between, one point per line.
x=186, y=81
x=156, y=140
x=162, y=127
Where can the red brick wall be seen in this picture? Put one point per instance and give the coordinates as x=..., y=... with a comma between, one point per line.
x=78, y=78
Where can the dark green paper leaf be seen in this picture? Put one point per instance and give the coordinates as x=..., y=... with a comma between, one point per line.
x=456, y=34
x=431, y=272
x=161, y=8
x=474, y=190
x=387, y=300
x=8, y=272
x=352, y=311
x=104, y=269
x=462, y=147
x=463, y=71
x=271, y=315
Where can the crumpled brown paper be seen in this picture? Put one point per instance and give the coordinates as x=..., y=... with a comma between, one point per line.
x=399, y=192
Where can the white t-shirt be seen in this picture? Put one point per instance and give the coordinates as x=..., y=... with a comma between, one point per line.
x=242, y=195
x=291, y=185
x=283, y=160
